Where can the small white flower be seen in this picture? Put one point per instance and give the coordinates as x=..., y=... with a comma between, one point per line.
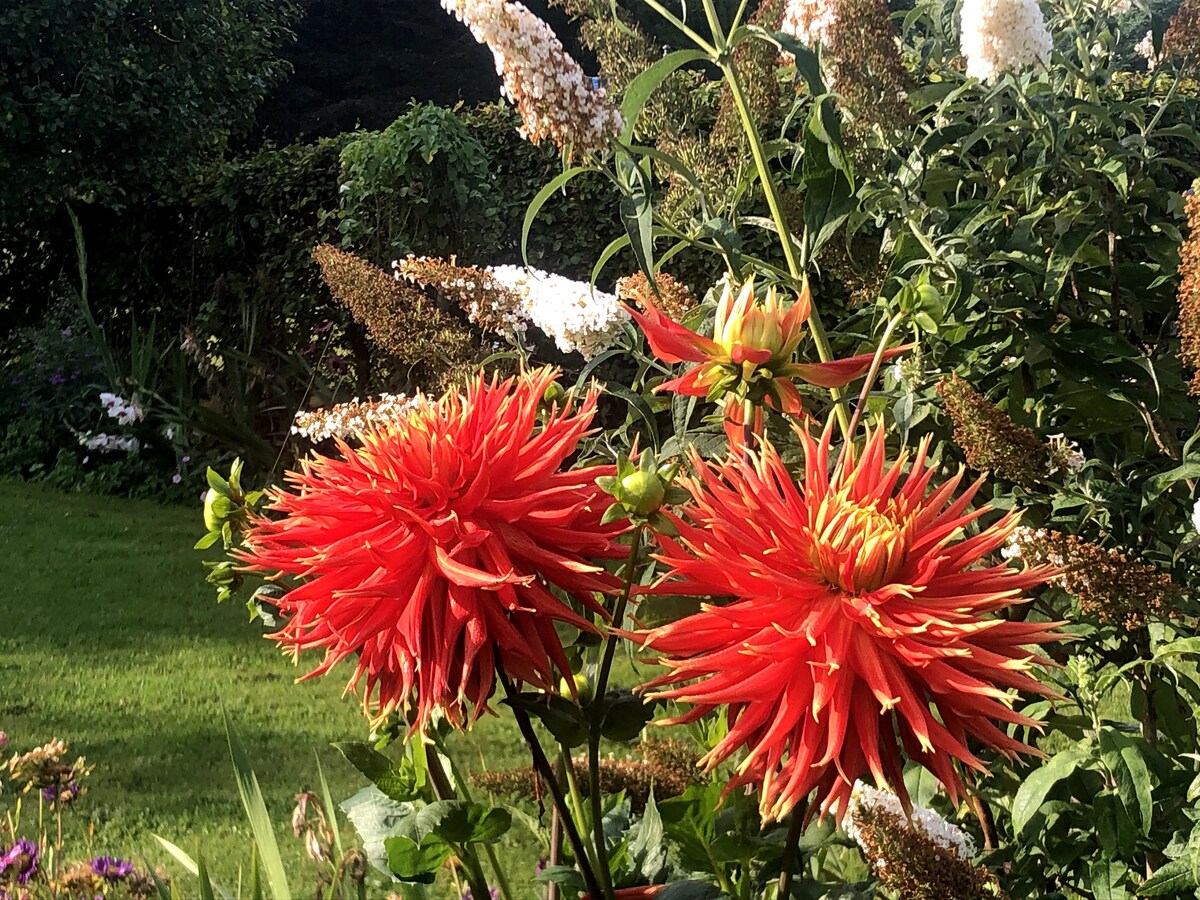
x=998, y=35
x=1145, y=48
x=1196, y=516
x=575, y=315
x=1065, y=456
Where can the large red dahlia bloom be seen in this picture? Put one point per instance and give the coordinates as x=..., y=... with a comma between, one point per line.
x=430, y=550
x=858, y=626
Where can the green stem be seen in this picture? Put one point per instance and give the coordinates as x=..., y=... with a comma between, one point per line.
x=691, y=33
x=443, y=791
x=820, y=339
x=576, y=797
x=542, y=766
x=595, y=797
x=873, y=372
x=714, y=25
x=465, y=792
x=791, y=853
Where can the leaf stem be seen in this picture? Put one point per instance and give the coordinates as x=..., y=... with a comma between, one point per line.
x=442, y=789
x=690, y=32
x=791, y=852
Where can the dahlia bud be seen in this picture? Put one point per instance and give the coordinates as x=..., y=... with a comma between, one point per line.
x=643, y=492
x=226, y=506
x=640, y=492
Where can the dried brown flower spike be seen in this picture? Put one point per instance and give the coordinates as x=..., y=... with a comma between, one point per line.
x=673, y=297
x=989, y=438
x=1189, y=291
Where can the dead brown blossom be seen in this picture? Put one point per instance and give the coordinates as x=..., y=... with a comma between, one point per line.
x=912, y=865
x=624, y=50
x=45, y=769
x=401, y=319
x=487, y=302
x=668, y=769
x=1189, y=293
x=673, y=296
x=989, y=438
x=860, y=55
x=1106, y=583
x=1182, y=39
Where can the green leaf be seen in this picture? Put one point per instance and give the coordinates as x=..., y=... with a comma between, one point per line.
x=638, y=91
x=376, y=817
x=1034, y=790
x=1182, y=647
x=189, y=864
x=461, y=822
x=1063, y=256
x=566, y=876
x=625, y=715
x=259, y=818
x=400, y=782
x=637, y=210
x=648, y=849
x=413, y=861
x=1123, y=756
x=562, y=718
x=330, y=809
x=1159, y=484
x=1107, y=878
x=1175, y=877
x=217, y=483
x=690, y=890
x=207, y=541
x=539, y=200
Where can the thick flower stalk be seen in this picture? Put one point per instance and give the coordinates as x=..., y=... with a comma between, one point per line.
x=751, y=355
x=859, y=625
x=1002, y=35
x=429, y=552
x=553, y=97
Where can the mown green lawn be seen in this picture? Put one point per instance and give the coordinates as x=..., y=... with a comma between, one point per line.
x=112, y=641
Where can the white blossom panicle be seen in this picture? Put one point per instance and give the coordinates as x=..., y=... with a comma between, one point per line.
x=577, y=317
x=1065, y=456
x=126, y=412
x=1196, y=516
x=945, y=834
x=1120, y=7
x=810, y=21
x=998, y=35
x=110, y=443
x=349, y=420
x=553, y=97
x=1145, y=48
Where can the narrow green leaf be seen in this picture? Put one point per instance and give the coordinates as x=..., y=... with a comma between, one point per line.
x=638, y=91
x=539, y=200
x=331, y=811
x=189, y=864
x=259, y=818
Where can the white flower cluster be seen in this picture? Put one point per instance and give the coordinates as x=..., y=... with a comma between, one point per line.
x=553, y=96
x=1145, y=48
x=577, y=317
x=110, y=442
x=1065, y=456
x=810, y=21
x=1026, y=535
x=126, y=412
x=347, y=420
x=998, y=35
x=946, y=835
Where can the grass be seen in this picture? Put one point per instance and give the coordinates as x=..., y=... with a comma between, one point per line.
x=113, y=642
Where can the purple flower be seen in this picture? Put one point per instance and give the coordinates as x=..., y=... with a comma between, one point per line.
x=176, y=478
x=493, y=894
x=57, y=379
x=187, y=459
x=61, y=793
x=112, y=869
x=20, y=859
x=3, y=739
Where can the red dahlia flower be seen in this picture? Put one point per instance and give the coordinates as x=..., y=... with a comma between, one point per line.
x=430, y=550
x=750, y=355
x=857, y=628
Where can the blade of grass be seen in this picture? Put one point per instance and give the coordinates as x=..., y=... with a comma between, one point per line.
x=331, y=811
x=189, y=864
x=256, y=813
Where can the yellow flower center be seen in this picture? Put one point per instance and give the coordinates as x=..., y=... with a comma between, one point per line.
x=858, y=547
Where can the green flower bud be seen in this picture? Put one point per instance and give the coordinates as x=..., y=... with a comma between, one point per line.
x=213, y=517
x=642, y=492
